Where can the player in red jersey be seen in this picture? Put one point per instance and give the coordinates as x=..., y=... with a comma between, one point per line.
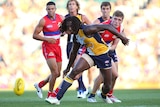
x=112, y=41
x=49, y=25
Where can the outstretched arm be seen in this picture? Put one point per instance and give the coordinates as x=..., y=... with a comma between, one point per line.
x=91, y=29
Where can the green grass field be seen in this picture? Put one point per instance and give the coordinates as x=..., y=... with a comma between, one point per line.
x=130, y=98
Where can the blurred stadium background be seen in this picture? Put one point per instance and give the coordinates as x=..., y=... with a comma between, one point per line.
x=20, y=55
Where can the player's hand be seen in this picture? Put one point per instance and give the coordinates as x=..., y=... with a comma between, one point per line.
x=65, y=72
x=125, y=41
x=51, y=40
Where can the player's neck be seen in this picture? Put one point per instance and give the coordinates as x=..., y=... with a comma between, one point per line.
x=73, y=13
x=52, y=17
x=105, y=17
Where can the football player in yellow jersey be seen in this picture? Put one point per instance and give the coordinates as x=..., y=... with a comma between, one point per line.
x=96, y=54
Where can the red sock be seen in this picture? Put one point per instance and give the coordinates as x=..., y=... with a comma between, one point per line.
x=49, y=94
x=54, y=94
x=110, y=93
x=56, y=91
x=41, y=84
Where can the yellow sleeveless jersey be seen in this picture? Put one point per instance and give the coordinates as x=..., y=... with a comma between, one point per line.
x=79, y=16
x=95, y=45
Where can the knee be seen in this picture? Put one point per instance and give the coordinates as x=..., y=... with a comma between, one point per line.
x=56, y=74
x=77, y=76
x=115, y=75
x=74, y=74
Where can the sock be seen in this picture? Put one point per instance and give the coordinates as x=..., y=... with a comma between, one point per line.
x=49, y=94
x=81, y=84
x=105, y=90
x=42, y=83
x=54, y=94
x=57, y=89
x=110, y=93
x=91, y=95
x=103, y=96
x=67, y=82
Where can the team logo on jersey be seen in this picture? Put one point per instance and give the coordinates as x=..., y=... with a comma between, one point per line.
x=90, y=45
x=106, y=35
x=49, y=26
x=53, y=21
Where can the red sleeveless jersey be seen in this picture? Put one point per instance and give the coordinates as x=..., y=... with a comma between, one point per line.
x=51, y=27
x=108, y=36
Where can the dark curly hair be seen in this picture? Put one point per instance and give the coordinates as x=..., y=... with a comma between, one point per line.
x=71, y=23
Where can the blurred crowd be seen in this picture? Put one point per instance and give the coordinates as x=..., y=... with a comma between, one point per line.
x=21, y=56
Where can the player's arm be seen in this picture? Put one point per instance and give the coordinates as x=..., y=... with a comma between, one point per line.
x=114, y=44
x=116, y=41
x=96, y=21
x=123, y=33
x=86, y=20
x=90, y=30
x=62, y=17
x=38, y=29
x=72, y=56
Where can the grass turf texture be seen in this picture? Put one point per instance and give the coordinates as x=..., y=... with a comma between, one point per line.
x=130, y=98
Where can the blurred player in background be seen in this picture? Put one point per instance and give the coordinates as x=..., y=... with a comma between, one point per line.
x=51, y=48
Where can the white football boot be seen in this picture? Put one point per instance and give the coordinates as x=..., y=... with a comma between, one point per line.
x=107, y=100
x=39, y=90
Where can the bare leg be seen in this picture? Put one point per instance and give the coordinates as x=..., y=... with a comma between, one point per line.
x=90, y=77
x=80, y=66
x=54, y=68
x=114, y=73
x=97, y=83
x=107, y=80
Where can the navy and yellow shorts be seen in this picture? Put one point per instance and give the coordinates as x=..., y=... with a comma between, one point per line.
x=102, y=61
